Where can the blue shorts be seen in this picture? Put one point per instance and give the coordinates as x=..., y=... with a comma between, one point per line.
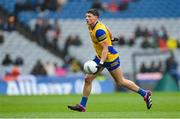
x=110, y=66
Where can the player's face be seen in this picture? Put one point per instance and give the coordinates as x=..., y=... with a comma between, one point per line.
x=91, y=19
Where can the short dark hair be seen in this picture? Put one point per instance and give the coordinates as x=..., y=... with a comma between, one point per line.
x=94, y=12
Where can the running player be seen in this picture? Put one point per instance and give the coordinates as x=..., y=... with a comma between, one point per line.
x=106, y=57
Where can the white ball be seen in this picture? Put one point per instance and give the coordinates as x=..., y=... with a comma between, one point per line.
x=90, y=67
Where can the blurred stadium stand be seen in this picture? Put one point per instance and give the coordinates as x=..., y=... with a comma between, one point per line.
x=150, y=14
x=76, y=9
x=17, y=45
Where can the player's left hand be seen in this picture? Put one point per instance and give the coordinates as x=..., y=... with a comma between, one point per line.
x=114, y=39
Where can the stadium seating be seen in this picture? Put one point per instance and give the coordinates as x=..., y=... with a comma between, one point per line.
x=17, y=45
x=140, y=9
x=123, y=27
x=151, y=13
x=118, y=26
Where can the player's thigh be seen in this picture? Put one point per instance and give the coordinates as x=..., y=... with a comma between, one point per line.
x=117, y=75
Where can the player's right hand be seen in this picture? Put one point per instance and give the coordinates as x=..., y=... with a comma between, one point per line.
x=99, y=66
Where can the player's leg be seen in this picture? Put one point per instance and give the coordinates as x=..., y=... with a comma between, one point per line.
x=121, y=81
x=88, y=84
x=87, y=88
x=86, y=92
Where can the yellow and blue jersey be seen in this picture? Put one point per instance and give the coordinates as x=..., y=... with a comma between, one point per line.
x=99, y=33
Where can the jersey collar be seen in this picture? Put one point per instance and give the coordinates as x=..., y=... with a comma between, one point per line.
x=95, y=25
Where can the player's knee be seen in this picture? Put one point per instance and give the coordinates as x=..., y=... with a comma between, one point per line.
x=120, y=82
x=88, y=80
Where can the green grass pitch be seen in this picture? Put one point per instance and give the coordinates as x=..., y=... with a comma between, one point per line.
x=117, y=105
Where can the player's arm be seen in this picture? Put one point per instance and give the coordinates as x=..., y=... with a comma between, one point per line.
x=103, y=42
x=111, y=36
x=104, y=53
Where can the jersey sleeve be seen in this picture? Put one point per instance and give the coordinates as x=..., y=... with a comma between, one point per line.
x=100, y=35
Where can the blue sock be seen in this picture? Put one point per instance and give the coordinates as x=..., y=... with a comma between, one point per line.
x=84, y=101
x=142, y=92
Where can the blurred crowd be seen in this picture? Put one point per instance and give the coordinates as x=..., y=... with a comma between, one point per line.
x=8, y=26
x=50, y=33
x=168, y=66
x=154, y=67
x=56, y=5
x=53, y=69
x=14, y=67
x=155, y=38
x=38, y=5
x=113, y=5
x=46, y=32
